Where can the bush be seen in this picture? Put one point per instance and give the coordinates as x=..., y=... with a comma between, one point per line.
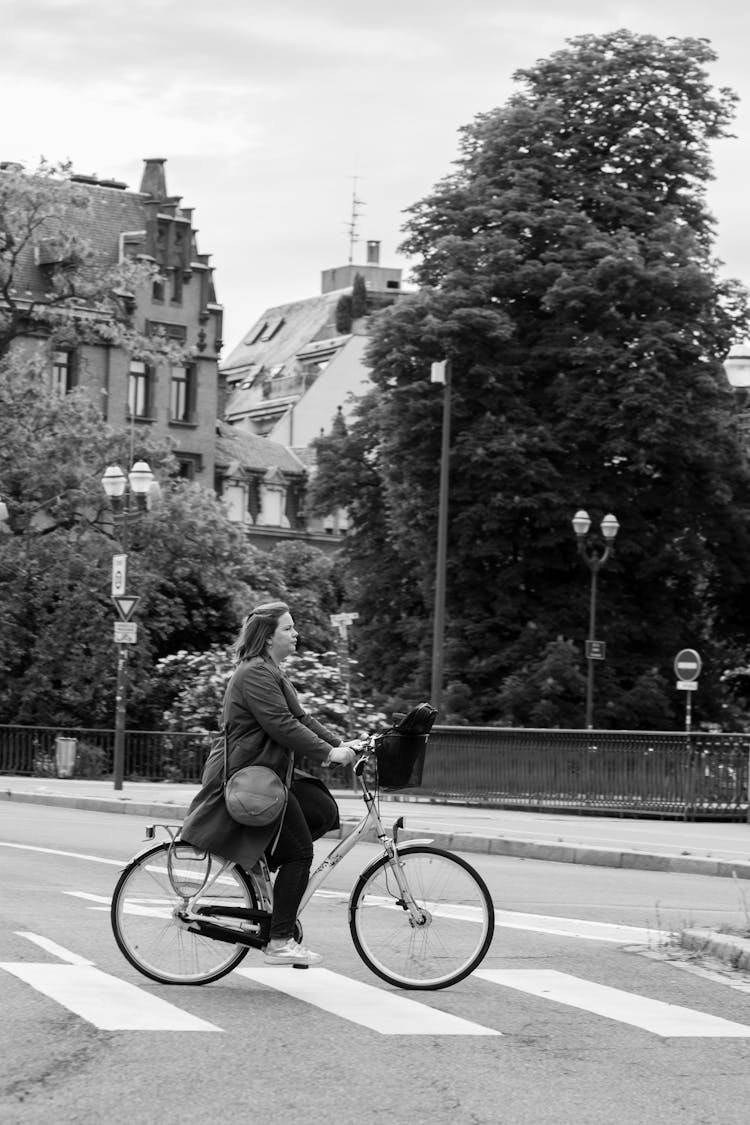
x=91, y=761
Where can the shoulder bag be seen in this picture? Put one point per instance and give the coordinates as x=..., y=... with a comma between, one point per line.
x=255, y=796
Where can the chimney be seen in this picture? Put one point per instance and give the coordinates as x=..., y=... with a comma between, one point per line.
x=154, y=182
x=373, y=253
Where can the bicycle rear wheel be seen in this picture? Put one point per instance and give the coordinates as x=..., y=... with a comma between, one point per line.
x=146, y=915
x=458, y=919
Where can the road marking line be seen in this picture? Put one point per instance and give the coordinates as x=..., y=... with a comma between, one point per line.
x=667, y=1020
x=579, y=928
x=362, y=1003
x=104, y=1001
x=539, y=923
x=70, y=855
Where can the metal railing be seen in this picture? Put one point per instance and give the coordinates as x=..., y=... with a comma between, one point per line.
x=636, y=773
x=149, y=755
x=625, y=773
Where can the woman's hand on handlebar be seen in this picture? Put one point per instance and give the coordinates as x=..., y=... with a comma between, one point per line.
x=345, y=754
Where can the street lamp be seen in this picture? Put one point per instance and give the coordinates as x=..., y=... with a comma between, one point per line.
x=595, y=560
x=114, y=483
x=441, y=373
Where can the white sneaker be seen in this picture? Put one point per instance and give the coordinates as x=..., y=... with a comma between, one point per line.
x=290, y=952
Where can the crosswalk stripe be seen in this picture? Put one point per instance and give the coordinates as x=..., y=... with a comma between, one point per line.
x=667, y=1020
x=56, y=950
x=362, y=1003
x=105, y=1001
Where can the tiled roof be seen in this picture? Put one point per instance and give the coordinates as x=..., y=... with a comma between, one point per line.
x=236, y=446
x=297, y=323
x=110, y=212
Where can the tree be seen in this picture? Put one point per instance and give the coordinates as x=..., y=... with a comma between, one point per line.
x=186, y=560
x=191, y=567
x=566, y=270
x=344, y=314
x=359, y=297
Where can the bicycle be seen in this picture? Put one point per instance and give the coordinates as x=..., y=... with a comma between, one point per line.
x=420, y=917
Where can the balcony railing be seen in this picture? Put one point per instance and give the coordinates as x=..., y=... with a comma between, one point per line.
x=620, y=773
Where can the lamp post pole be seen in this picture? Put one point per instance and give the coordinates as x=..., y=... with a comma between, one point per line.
x=595, y=650
x=441, y=373
x=114, y=483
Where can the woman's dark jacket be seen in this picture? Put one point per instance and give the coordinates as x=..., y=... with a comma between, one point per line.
x=265, y=725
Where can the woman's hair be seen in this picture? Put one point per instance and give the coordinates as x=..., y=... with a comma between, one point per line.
x=258, y=628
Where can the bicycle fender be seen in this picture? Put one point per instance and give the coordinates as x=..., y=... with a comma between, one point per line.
x=402, y=846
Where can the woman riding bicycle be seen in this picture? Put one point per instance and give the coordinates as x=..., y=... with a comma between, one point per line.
x=265, y=724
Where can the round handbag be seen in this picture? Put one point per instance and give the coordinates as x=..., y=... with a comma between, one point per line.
x=255, y=796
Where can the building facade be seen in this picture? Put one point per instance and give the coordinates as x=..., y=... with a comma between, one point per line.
x=301, y=365
x=173, y=400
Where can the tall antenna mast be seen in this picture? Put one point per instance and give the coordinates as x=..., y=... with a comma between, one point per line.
x=352, y=224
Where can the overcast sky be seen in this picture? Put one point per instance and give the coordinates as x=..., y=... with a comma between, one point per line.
x=266, y=111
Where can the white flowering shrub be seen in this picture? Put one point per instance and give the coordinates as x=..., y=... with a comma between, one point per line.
x=195, y=681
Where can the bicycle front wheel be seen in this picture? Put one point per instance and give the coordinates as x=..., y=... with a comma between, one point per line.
x=452, y=934
x=147, y=922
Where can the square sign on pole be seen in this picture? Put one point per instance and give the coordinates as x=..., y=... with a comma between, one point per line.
x=126, y=632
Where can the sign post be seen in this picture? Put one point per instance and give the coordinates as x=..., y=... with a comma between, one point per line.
x=341, y=622
x=687, y=668
x=126, y=633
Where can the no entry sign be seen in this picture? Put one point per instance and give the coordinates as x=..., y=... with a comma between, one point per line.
x=687, y=664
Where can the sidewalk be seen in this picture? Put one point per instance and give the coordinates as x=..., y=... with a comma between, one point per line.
x=695, y=848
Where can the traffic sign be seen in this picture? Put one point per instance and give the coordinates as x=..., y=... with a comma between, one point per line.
x=687, y=664
x=126, y=632
x=119, y=574
x=596, y=650
x=343, y=619
x=125, y=606
x=686, y=685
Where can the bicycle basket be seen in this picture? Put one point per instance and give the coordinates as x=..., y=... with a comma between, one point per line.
x=400, y=752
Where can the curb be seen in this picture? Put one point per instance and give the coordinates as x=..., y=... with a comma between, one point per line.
x=730, y=948
x=461, y=842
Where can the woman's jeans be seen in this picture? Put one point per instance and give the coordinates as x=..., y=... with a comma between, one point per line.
x=310, y=813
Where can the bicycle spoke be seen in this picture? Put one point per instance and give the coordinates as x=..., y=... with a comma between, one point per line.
x=457, y=919
x=148, y=927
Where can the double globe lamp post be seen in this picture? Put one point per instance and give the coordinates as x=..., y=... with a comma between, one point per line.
x=120, y=490
x=595, y=560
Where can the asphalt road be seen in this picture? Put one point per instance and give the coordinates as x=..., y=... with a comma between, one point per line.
x=582, y=1016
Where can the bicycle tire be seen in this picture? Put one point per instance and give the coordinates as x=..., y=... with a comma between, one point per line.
x=151, y=935
x=459, y=919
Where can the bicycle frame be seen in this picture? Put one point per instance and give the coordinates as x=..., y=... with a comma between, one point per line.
x=345, y=845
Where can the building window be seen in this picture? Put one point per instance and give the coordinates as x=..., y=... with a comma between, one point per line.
x=177, y=332
x=62, y=372
x=157, y=290
x=139, y=390
x=182, y=394
x=188, y=465
x=177, y=287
